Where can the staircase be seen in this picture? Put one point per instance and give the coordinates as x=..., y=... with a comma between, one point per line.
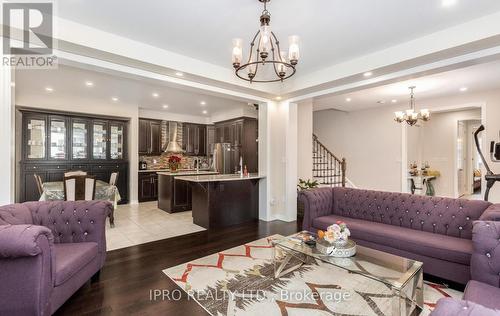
x=328, y=170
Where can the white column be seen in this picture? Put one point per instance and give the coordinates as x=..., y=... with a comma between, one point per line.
x=7, y=169
x=278, y=161
x=304, y=140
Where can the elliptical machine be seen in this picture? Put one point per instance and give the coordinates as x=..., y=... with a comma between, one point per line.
x=490, y=177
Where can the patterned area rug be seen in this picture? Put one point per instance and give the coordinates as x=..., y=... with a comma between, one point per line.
x=240, y=281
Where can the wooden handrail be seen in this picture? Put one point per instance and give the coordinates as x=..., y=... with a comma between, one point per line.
x=326, y=173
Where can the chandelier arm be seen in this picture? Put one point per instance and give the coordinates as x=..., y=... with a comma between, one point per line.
x=274, y=57
x=252, y=44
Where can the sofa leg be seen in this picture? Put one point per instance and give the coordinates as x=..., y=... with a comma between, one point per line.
x=95, y=277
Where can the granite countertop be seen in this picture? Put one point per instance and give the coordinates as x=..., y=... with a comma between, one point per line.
x=168, y=170
x=187, y=173
x=220, y=177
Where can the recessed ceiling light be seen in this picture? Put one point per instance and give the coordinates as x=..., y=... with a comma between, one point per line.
x=114, y=99
x=155, y=95
x=348, y=99
x=205, y=112
x=13, y=84
x=368, y=74
x=448, y=3
x=394, y=101
x=49, y=89
x=463, y=89
x=165, y=106
x=278, y=98
x=381, y=102
x=180, y=74
x=203, y=103
x=89, y=83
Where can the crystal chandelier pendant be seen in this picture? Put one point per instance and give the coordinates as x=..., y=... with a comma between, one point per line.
x=265, y=51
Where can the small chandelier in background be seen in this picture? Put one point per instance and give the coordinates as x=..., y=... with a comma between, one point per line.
x=265, y=51
x=411, y=117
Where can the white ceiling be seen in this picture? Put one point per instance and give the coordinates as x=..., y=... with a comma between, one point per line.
x=69, y=82
x=475, y=78
x=331, y=31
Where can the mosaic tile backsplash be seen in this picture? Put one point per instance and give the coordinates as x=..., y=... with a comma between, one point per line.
x=187, y=162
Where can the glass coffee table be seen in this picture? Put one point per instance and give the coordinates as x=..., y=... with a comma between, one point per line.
x=404, y=277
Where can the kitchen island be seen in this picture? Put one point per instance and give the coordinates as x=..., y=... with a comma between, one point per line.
x=175, y=196
x=223, y=200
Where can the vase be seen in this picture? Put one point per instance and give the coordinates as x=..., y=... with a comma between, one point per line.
x=173, y=168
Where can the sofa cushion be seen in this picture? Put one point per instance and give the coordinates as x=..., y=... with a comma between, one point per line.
x=71, y=258
x=15, y=214
x=483, y=294
x=438, y=246
x=445, y=216
x=452, y=307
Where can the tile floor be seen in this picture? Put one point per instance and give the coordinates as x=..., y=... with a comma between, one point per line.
x=144, y=222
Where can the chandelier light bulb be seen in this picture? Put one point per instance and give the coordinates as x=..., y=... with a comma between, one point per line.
x=282, y=67
x=293, y=49
x=237, y=52
x=265, y=39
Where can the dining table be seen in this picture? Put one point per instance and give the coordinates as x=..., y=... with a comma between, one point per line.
x=54, y=191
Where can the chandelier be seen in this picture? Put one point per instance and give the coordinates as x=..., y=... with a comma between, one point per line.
x=411, y=117
x=265, y=51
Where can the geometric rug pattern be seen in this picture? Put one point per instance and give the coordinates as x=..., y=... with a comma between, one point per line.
x=240, y=281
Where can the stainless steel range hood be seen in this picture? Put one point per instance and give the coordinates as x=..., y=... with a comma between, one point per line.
x=173, y=146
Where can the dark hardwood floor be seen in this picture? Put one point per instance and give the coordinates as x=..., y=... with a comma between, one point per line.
x=130, y=273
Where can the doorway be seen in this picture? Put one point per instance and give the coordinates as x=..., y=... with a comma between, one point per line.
x=469, y=164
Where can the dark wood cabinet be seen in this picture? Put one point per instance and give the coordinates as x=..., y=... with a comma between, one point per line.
x=174, y=195
x=54, y=143
x=211, y=139
x=194, y=139
x=150, y=137
x=148, y=186
x=242, y=134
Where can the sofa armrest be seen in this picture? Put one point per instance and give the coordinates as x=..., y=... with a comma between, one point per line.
x=27, y=269
x=485, y=261
x=452, y=307
x=317, y=202
x=492, y=213
x=22, y=240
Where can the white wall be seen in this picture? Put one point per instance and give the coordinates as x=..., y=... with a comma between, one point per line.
x=304, y=140
x=371, y=141
x=7, y=158
x=435, y=141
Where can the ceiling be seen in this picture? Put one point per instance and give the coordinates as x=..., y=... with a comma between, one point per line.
x=475, y=78
x=71, y=82
x=331, y=31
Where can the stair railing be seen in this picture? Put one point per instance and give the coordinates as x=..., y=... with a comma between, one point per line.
x=327, y=168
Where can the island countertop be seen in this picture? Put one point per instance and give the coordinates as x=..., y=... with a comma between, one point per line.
x=179, y=174
x=220, y=177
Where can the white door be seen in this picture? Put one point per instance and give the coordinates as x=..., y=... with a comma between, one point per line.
x=461, y=158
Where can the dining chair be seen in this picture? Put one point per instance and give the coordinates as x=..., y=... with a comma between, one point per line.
x=75, y=173
x=114, y=178
x=39, y=183
x=79, y=188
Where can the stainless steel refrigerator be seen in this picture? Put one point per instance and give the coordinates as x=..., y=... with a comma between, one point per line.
x=223, y=158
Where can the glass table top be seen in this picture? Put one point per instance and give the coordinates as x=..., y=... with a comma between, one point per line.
x=389, y=269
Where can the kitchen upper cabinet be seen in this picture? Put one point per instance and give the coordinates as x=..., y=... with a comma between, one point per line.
x=242, y=134
x=150, y=137
x=211, y=139
x=194, y=139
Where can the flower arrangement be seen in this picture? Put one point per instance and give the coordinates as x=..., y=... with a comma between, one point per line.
x=337, y=233
x=174, y=163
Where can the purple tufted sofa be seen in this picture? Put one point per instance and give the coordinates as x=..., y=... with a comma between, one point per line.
x=482, y=294
x=48, y=250
x=436, y=231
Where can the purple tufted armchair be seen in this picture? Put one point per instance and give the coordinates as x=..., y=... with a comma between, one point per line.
x=482, y=294
x=48, y=250
x=434, y=230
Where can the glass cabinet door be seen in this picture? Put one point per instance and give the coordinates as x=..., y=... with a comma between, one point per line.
x=36, y=138
x=99, y=140
x=79, y=139
x=58, y=141
x=116, y=141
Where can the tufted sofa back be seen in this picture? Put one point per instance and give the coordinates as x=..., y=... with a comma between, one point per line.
x=15, y=214
x=446, y=216
x=485, y=261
